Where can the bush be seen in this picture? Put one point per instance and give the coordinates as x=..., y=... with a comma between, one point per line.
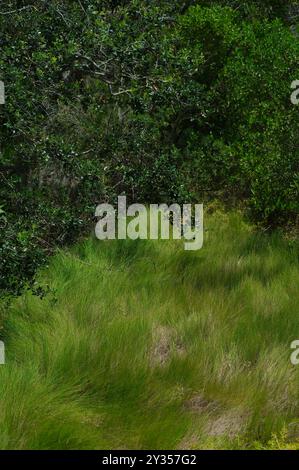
x=161, y=102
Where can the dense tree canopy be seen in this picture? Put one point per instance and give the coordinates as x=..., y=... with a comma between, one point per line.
x=163, y=101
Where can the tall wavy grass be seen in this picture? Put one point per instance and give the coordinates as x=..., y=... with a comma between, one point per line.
x=141, y=344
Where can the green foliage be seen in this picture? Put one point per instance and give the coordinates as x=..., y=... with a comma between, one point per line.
x=249, y=70
x=162, y=101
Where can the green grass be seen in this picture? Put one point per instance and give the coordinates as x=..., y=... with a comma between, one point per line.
x=144, y=345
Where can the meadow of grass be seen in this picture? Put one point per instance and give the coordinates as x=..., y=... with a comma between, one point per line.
x=142, y=345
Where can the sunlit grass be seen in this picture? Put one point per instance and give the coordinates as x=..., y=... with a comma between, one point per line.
x=141, y=344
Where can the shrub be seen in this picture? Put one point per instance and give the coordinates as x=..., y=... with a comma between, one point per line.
x=161, y=100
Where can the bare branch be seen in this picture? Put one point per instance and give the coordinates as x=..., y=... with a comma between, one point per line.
x=120, y=92
x=16, y=11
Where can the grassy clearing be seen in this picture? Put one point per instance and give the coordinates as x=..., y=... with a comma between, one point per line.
x=144, y=345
